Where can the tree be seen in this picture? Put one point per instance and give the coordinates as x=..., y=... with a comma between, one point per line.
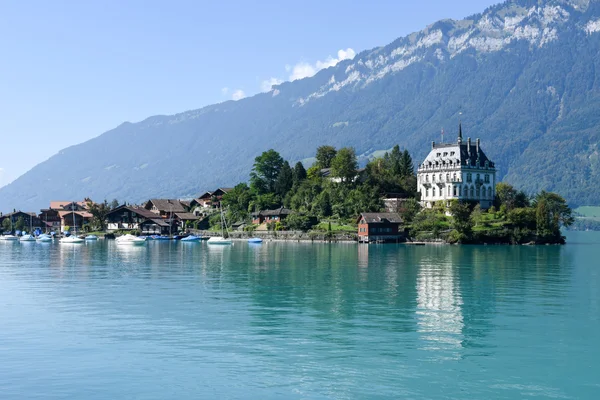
x=510, y=197
x=408, y=210
x=299, y=173
x=476, y=214
x=461, y=218
x=406, y=165
x=114, y=204
x=325, y=155
x=20, y=224
x=324, y=204
x=6, y=225
x=285, y=180
x=237, y=201
x=99, y=213
x=298, y=222
x=265, y=171
x=552, y=212
x=344, y=165
x=267, y=201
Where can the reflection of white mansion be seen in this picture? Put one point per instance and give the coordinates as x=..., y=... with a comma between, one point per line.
x=457, y=171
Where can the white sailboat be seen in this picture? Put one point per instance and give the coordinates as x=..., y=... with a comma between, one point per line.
x=221, y=239
x=29, y=237
x=44, y=238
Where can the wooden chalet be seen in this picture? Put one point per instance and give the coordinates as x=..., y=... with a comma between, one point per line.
x=30, y=219
x=51, y=218
x=267, y=216
x=72, y=214
x=165, y=208
x=380, y=228
x=207, y=200
x=129, y=218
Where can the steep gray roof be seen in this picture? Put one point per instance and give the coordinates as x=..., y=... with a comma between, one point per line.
x=380, y=218
x=269, y=213
x=167, y=205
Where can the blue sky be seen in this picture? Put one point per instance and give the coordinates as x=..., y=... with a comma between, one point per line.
x=71, y=70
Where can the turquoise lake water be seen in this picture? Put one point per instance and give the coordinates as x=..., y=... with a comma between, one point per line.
x=300, y=321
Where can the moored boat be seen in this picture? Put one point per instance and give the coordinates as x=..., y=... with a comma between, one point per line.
x=9, y=238
x=219, y=240
x=71, y=240
x=27, y=238
x=44, y=238
x=91, y=237
x=130, y=240
x=255, y=240
x=191, y=238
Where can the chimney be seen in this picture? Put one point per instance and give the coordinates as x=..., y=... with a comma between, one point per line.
x=460, y=133
x=469, y=146
x=432, y=145
x=478, y=143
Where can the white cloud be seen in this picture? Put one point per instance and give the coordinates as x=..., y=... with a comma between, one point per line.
x=238, y=95
x=224, y=91
x=267, y=85
x=305, y=70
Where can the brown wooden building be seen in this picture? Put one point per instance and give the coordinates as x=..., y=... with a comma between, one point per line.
x=380, y=228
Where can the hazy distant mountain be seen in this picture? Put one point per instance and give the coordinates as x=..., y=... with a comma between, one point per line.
x=523, y=73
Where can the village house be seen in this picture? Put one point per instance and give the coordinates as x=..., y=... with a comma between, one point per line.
x=207, y=201
x=267, y=216
x=459, y=171
x=131, y=218
x=30, y=220
x=379, y=227
x=165, y=208
x=51, y=218
x=72, y=214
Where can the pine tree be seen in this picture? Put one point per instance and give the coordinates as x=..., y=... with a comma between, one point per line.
x=299, y=173
x=285, y=180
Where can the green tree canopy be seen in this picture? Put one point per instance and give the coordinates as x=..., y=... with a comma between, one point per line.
x=99, y=213
x=6, y=224
x=285, y=180
x=237, y=201
x=552, y=212
x=461, y=218
x=344, y=165
x=325, y=155
x=20, y=224
x=265, y=172
x=299, y=173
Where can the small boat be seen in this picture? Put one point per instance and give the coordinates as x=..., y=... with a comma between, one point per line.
x=91, y=237
x=159, y=237
x=27, y=238
x=130, y=240
x=71, y=240
x=219, y=240
x=255, y=240
x=9, y=238
x=191, y=238
x=44, y=238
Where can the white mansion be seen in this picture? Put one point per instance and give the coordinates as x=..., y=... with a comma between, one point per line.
x=457, y=171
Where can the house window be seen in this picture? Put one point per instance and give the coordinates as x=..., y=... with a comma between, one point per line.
x=445, y=154
x=454, y=177
x=433, y=192
x=454, y=191
x=433, y=177
x=440, y=177
x=472, y=192
x=426, y=192
x=478, y=178
x=426, y=178
x=487, y=178
x=469, y=177
x=447, y=177
x=452, y=153
x=460, y=191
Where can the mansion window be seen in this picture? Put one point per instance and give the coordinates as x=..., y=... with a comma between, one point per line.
x=440, y=177
x=472, y=192
x=478, y=177
x=455, y=191
x=469, y=177
x=447, y=177
x=454, y=177
x=487, y=178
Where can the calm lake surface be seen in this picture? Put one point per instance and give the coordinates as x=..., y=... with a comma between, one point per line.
x=300, y=321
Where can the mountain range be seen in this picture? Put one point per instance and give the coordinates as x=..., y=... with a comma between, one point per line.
x=523, y=76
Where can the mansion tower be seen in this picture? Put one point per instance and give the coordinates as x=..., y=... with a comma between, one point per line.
x=459, y=171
